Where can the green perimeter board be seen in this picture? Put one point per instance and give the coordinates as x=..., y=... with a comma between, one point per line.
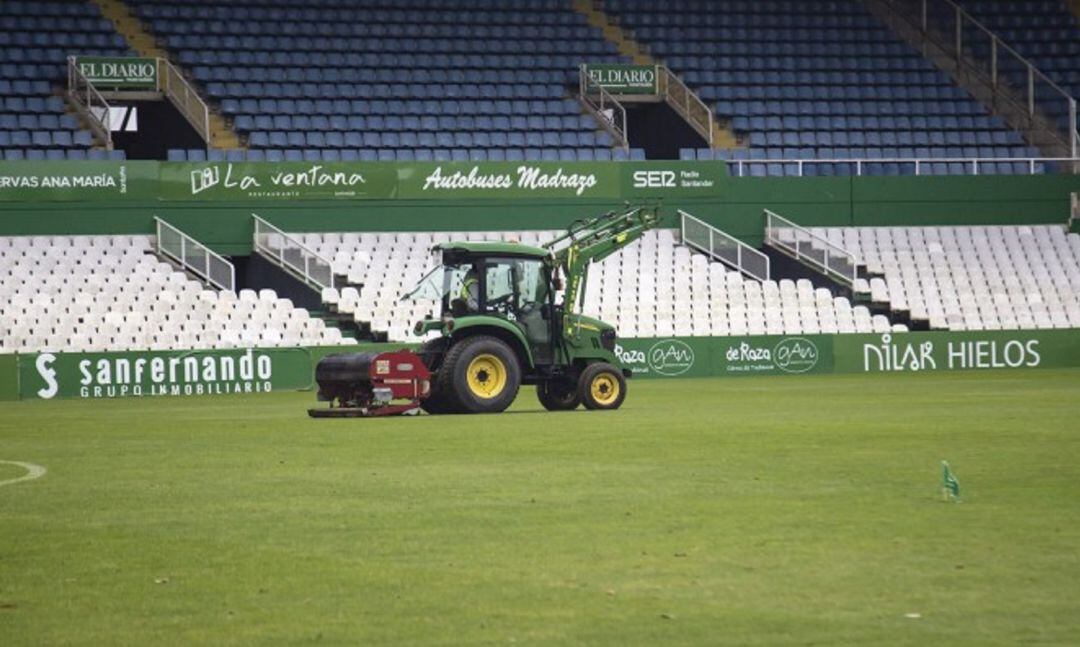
x=103, y=375
x=732, y=204
x=134, y=373
x=163, y=373
x=67, y=181
x=277, y=182
x=850, y=353
x=962, y=200
x=913, y=352
x=9, y=377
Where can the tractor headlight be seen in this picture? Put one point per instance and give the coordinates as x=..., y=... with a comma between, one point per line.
x=607, y=339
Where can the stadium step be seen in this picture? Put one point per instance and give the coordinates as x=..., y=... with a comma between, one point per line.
x=142, y=40
x=343, y=322
x=613, y=33
x=722, y=135
x=131, y=28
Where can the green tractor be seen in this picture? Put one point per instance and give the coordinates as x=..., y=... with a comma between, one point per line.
x=502, y=324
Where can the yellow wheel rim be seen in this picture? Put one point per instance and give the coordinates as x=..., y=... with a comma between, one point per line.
x=487, y=376
x=605, y=389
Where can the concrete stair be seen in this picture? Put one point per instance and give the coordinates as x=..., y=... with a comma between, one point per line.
x=131, y=28
x=140, y=39
x=613, y=33
x=723, y=136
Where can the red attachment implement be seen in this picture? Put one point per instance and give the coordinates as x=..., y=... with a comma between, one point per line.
x=371, y=384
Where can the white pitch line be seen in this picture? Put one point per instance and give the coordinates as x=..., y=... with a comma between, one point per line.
x=32, y=472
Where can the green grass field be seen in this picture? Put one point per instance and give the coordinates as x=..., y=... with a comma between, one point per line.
x=753, y=511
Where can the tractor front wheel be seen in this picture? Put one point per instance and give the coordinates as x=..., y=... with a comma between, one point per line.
x=482, y=373
x=558, y=395
x=602, y=386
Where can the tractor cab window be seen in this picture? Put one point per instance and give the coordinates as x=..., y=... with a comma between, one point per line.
x=511, y=287
x=514, y=287
x=448, y=287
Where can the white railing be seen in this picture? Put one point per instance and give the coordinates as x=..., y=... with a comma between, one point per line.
x=723, y=247
x=292, y=255
x=685, y=102
x=1012, y=78
x=814, y=250
x=919, y=166
x=184, y=97
x=606, y=108
x=92, y=106
x=194, y=257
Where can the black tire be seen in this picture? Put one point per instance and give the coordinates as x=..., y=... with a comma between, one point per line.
x=601, y=386
x=433, y=353
x=438, y=401
x=482, y=374
x=558, y=394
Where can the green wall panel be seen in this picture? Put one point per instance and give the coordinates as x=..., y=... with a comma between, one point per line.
x=9, y=377
x=220, y=215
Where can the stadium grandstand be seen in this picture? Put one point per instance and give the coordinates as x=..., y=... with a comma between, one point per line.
x=837, y=88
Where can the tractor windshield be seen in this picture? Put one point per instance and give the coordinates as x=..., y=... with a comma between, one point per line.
x=511, y=287
x=441, y=282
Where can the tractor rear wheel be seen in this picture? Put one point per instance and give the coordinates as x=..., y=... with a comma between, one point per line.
x=558, y=394
x=602, y=386
x=481, y=374
x=439, y=400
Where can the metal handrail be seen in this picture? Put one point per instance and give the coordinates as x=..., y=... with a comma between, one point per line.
x=310, y=258
x=916, y=163
x=822, y=253
x=718, y=239
x=191, y=248
x=77, y=82
x=953, y=44
x=616, y=124
x=686, y=103
x=184, y=97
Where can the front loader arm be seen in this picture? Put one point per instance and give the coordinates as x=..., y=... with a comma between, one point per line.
x=587, y=242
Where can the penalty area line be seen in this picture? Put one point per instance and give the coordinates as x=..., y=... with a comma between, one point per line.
x=32, y=472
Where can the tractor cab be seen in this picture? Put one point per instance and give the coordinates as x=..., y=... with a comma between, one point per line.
x=486, y=283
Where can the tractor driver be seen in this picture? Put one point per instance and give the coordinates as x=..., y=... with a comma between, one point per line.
x=470, y=290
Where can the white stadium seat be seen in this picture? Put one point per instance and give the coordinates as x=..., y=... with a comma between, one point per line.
x=110, y=293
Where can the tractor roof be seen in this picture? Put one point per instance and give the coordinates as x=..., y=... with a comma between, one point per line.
x=492, y=248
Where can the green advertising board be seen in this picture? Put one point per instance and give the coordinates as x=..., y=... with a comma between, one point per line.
x=288, y=181
x=163, y=373
x=127, y=73
x=624, y=79
x=732, y=356
x=457, y=180
x=914, y=352
x=845, y=354
x=223, y=372
x=34, y=181
x=282, y=181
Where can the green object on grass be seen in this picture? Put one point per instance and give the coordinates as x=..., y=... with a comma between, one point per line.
x=950, y=487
